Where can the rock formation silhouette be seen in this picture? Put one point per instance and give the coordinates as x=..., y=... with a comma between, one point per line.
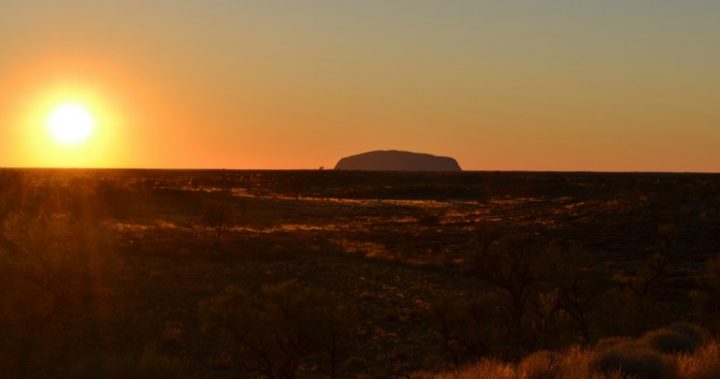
x=393, y=160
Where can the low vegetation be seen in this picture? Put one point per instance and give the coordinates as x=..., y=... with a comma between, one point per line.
x=218, y=216
x=686, y=354
x=326, y=274
x=284, y=329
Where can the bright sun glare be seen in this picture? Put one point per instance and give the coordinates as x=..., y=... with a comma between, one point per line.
x=71, y=123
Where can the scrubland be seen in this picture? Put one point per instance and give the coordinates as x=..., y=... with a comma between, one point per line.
x=224, y=274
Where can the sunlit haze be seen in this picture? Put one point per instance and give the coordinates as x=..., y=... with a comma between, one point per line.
x=70, y=123
x=498, y=85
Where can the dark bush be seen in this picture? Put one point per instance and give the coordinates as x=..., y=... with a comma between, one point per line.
x=707, y=295
x=633, y=361
x=513, y=266
x=467, y=328
x=51, y=270
x=218, y=215
x=676, y=338
x=284, y=329
x=581, y=284
x=635, y=305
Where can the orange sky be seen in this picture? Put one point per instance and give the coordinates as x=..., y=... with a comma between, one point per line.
x=629, y=86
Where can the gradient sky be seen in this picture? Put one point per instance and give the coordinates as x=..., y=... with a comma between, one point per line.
x=516, y=84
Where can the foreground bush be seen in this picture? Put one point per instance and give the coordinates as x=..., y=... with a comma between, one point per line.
x=466, y=328
x=52, y=269
x=676, y=338
x=612, y=358
x=283, y=329
x=632, y=360
x=218, y=216
x=547, y=294
x=706, y=296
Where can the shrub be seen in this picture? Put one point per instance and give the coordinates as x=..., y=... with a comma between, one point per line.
x=707, y=295
x=635, y=305
x=676, y=338
x=218, y=215
x=611, y=358
x=550, y=294
x=512, y=265
x=634, y=361
x=466, y=328
x=581, y=283
x=51, y=269
x=283, y=328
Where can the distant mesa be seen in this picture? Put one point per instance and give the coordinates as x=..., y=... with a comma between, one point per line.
x=393, y=160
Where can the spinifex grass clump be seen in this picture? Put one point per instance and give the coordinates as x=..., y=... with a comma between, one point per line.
x=676, y=338
x=632, y=360
x=613, y=358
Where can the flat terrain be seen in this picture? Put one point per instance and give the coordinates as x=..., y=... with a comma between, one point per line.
x=386, y=242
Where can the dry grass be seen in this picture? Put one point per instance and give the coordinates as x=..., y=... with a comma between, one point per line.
x=575, y=363
x=572, y=364
x=703, y=364
x=485, y=369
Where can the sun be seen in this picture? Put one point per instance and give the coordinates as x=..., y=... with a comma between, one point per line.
x=70, y=123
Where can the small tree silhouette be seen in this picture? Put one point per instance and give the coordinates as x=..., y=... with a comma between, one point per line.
x=218, y=215
x=635, y=306
x=512, y=266
x=581, y=284
x=50, y=268
x=283, y=328
x=466, y=327
x=707, y=295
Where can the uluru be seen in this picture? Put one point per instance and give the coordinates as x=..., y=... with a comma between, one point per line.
x=393, y=160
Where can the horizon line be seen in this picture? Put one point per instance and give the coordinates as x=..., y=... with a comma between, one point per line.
x=365, y=171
